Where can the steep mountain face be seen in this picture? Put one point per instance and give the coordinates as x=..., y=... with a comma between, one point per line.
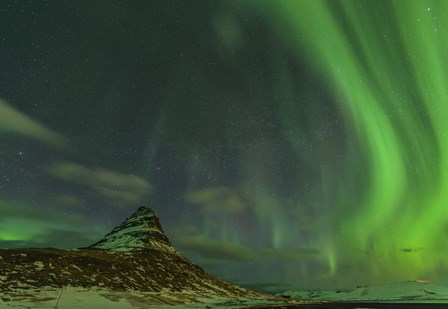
x=135, y=256
x=142, y=230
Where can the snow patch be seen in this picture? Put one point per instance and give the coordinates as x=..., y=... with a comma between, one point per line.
x=39, y=265
x=400, y=291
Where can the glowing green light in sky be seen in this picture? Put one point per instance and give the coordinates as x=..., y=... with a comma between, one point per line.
x=22, y=230
x=387, y=63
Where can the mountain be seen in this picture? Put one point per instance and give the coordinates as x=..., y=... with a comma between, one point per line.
x=134, y=263
x=139, y=231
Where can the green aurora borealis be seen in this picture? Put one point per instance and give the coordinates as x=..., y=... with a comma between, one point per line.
x=386, y=61
x=284, y=144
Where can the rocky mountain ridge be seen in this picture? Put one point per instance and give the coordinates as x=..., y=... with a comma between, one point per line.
x=135, y=256
x=142, y=230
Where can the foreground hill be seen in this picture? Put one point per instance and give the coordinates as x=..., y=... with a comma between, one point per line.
x=135, y=262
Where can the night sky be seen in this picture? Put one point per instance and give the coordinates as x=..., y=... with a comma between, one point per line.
x=283, y=144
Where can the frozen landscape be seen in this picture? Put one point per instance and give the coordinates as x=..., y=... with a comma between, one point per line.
x=409, y=291
x=100, y=298
x=134, y=266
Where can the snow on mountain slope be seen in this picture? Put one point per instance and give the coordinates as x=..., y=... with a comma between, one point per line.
x=135, y=263
x=141, y=230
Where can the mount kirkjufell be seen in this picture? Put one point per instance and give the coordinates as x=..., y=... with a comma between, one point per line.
x=140, y=231
x=135, y=258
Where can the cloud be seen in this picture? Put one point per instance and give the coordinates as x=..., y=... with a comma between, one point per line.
x=15, y=122
x=217, y=200
x=52, y=237
x=185, y=230
x=64, y=239
x=288, y=254
x=11, y=244
x=122, y=190
x=68, y=200
x=10, y=210
x=212, y=249
x=190, y=238
x=24, y=225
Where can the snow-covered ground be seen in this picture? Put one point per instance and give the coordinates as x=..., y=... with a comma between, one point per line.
x=75, y=298
x=400, y=291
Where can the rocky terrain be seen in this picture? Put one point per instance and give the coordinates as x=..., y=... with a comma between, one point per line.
x=134, y=257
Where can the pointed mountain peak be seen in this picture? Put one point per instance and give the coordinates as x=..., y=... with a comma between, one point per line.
x=141, y=230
